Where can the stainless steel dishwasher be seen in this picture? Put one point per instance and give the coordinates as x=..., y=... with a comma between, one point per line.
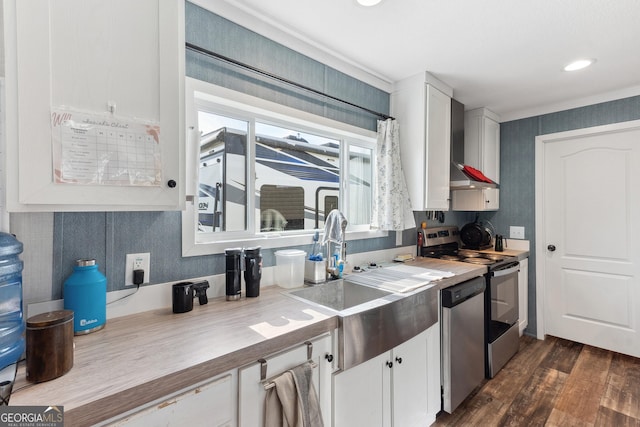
x=462, y=341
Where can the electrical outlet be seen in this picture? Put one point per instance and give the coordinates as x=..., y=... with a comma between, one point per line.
x=516, y=232
x=137, y=262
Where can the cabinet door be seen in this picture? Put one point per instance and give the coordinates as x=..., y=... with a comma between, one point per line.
x=482, y=142
x=362, y=394
x=410, y=383
x=438, y=150
x=491, y=149
x=211, y=404
x=252, y=392
x=400, y=388
x=433, y=372
x=491, y=199
x=487, y=199
x=114, y=66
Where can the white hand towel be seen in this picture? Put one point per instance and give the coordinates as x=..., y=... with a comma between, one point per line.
x=334, y=225
x=293, y=401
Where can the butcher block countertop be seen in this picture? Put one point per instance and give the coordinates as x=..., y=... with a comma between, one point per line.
x=143, y=357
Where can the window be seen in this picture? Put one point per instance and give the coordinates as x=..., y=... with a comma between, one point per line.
x=269, y=176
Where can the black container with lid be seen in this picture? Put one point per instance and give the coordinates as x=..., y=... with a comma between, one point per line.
x=182, y=297
x=252, y=271
x=233, y=262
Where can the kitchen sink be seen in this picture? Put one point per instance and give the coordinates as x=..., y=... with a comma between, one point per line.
x=371, y=320
x=339, y=295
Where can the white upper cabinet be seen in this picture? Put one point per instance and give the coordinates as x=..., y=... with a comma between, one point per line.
x=422, y=106
x=482, y=142
x=481, y=151
x=95, y=105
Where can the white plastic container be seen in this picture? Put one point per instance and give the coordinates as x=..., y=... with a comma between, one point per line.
x=290, y=268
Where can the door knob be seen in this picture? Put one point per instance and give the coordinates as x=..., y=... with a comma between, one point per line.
x=551, y=248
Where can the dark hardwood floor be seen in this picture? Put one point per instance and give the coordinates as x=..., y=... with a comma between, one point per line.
x=555, y=382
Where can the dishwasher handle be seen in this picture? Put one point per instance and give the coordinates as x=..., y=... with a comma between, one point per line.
x=457, y=294
x=508, y=269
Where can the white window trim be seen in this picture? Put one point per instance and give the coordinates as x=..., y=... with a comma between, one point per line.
x=262, y=108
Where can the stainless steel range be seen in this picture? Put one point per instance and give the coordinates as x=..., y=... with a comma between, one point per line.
x=501, y=335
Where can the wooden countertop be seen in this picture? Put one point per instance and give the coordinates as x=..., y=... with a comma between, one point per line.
x=463, y=271
x=137, y=359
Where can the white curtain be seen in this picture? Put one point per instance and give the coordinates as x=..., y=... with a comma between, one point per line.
x=391, y=206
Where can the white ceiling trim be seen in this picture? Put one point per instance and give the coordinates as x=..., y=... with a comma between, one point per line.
x=574, y=103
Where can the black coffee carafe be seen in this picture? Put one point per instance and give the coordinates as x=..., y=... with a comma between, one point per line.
x=252, y=271
x=499, y=243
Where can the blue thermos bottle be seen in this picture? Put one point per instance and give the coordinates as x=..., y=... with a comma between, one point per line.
x=85, y=292
x=12, y=325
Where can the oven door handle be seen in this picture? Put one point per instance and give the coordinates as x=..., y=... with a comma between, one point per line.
x=506, y=271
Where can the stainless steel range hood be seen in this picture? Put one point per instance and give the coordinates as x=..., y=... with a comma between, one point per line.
x=459, y=180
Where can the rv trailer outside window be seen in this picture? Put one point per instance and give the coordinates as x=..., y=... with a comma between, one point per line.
x=222, y=189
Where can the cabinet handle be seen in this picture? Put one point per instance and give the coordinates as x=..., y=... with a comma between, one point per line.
x=329, y=357
x=399, y=360
x=390, y=364
x=171, y=183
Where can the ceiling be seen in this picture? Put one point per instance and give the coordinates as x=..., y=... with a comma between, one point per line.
x=506, y=55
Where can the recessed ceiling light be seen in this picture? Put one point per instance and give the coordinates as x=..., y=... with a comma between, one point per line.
x=368, y=2
x=579, y=64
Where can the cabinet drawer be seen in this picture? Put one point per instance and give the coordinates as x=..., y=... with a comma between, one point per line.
x=211, y=404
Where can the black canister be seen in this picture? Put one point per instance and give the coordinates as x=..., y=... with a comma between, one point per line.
x=252, y=271
x=233, y=259
x=182, y=297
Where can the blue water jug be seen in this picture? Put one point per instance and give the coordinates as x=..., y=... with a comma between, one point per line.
x=85, y=292
x=12, y=324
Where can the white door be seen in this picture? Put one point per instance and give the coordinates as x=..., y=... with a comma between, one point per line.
x=588, y=241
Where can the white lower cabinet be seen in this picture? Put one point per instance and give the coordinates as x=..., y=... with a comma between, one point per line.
x=211, y=403
x=399, y=388
x=252, y=392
